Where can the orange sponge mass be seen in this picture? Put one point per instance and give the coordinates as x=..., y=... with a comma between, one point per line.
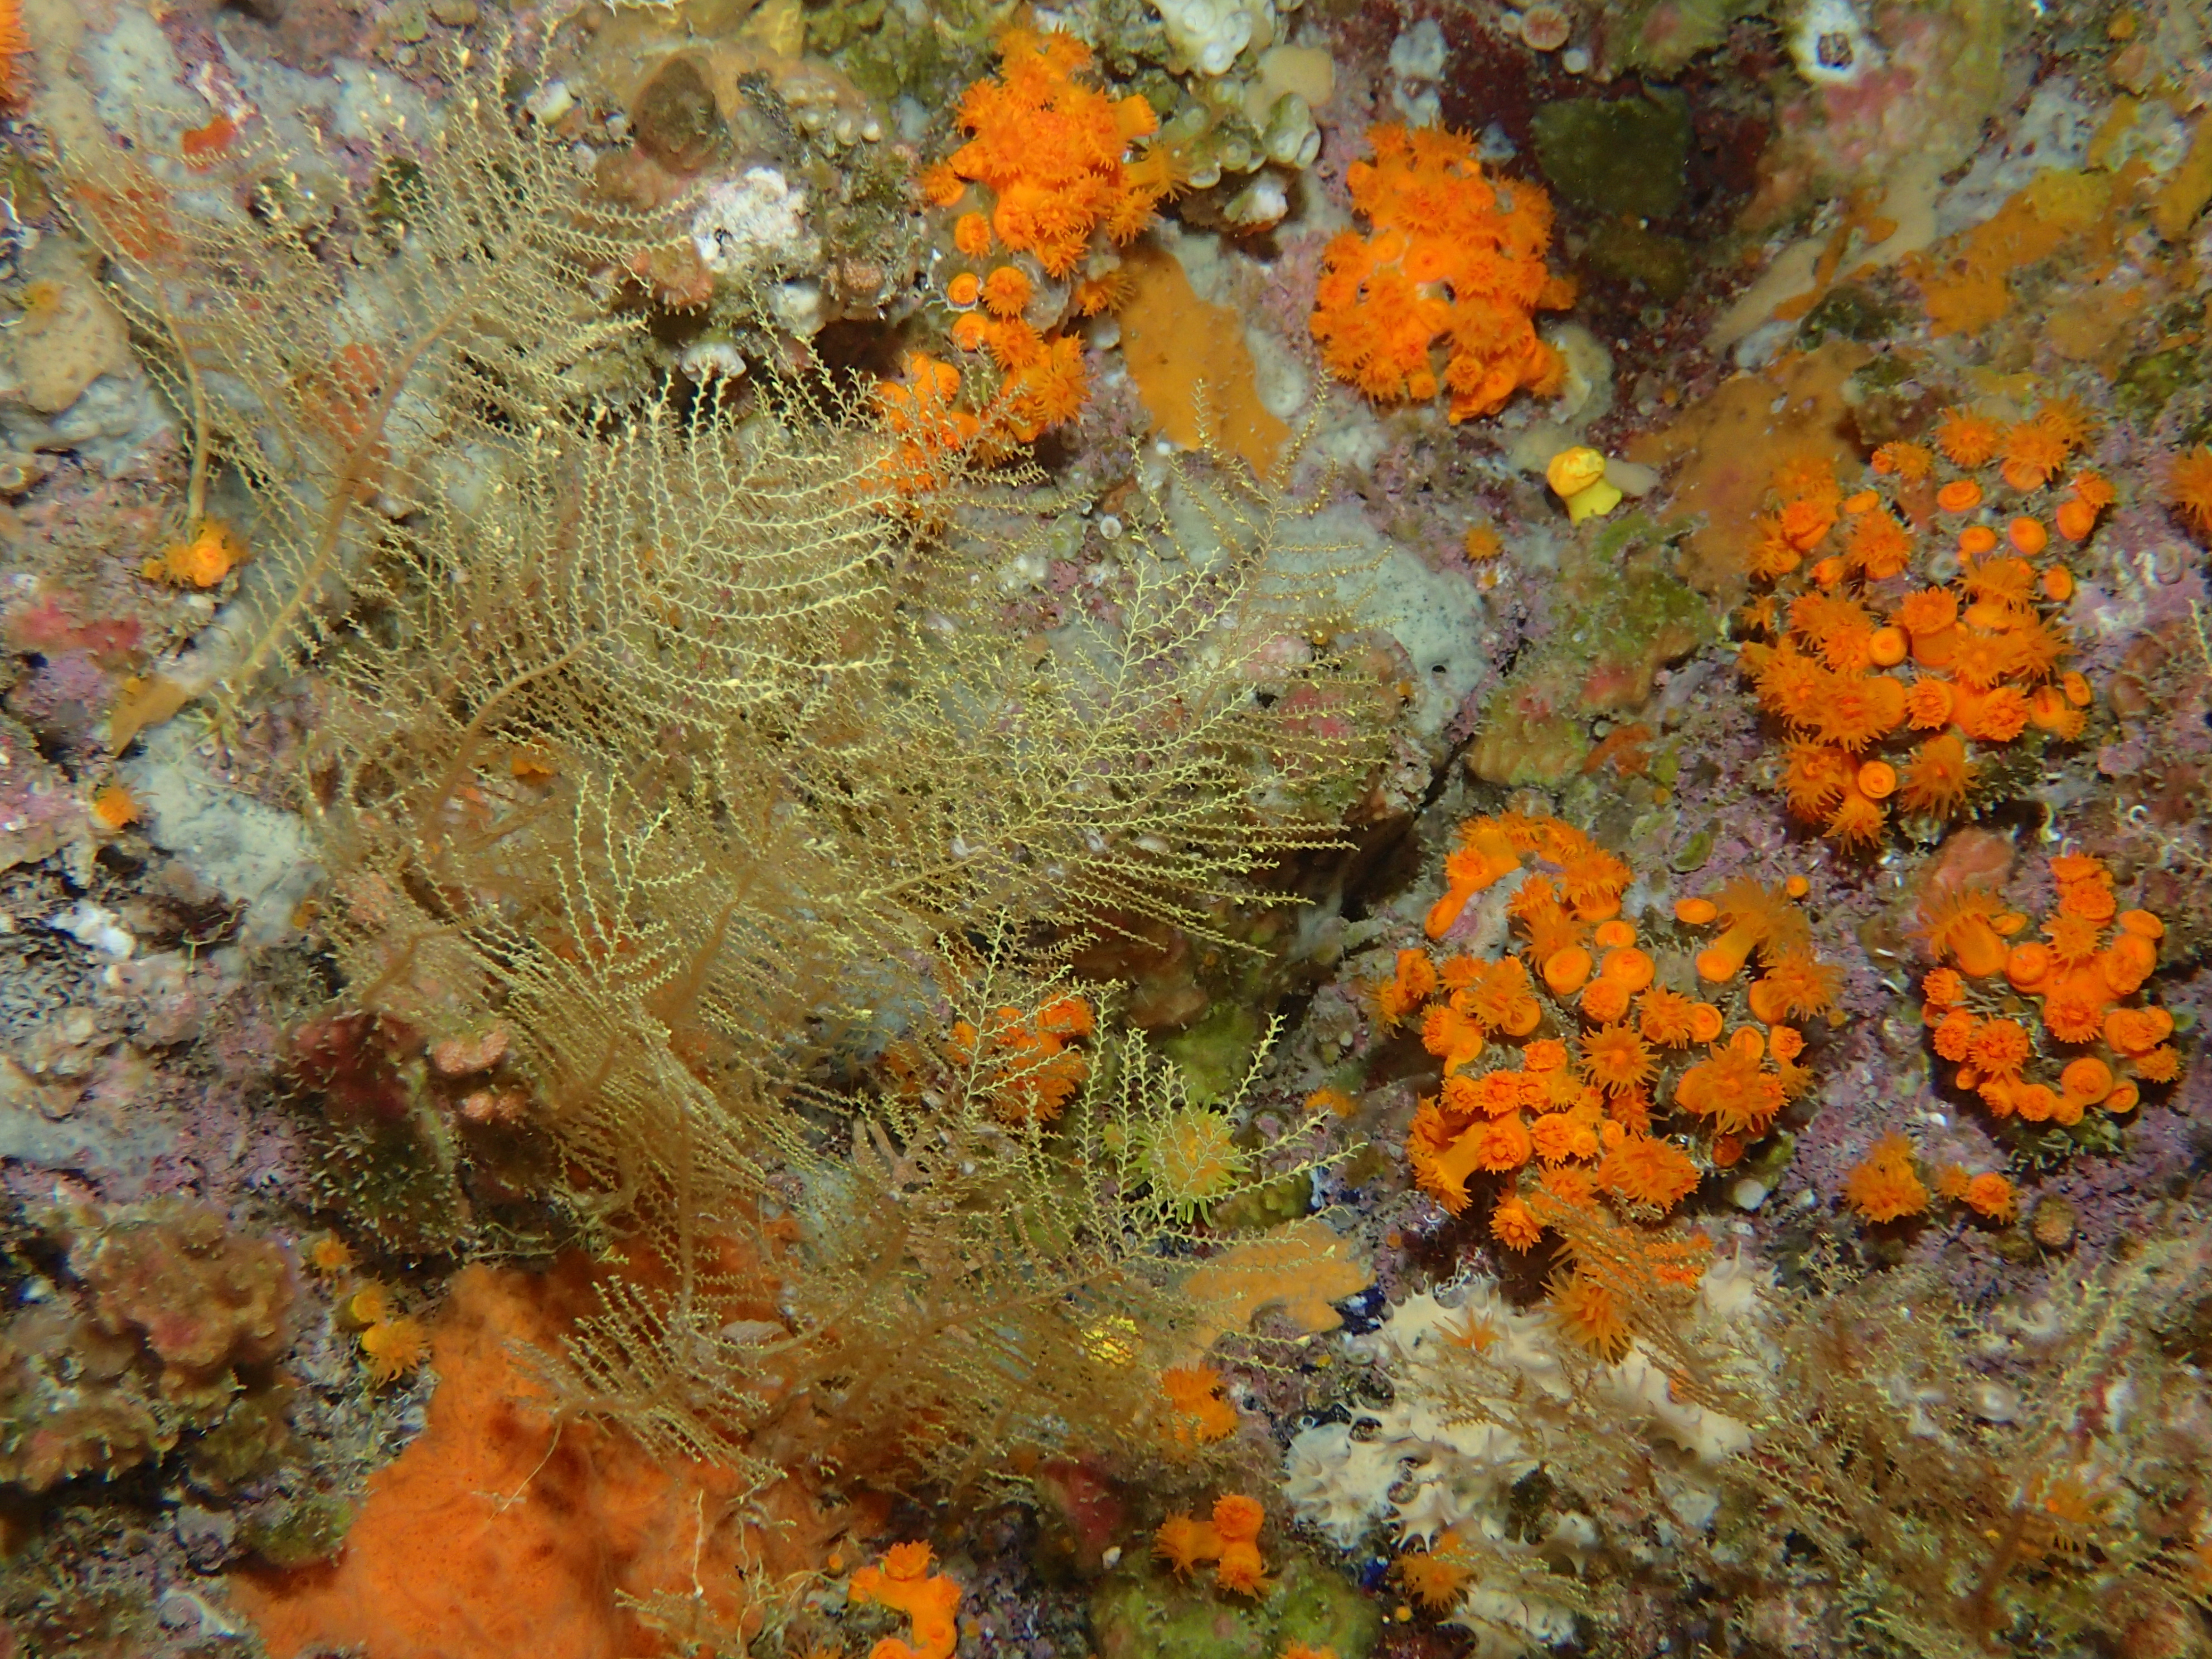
x=1452, y=258
x=491, y=1536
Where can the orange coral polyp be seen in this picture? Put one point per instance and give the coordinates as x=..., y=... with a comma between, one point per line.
x=1237, y=1518
x=2089, y=1078
x=1604, y=1001
x=1183, y=1542
x=2034, y=453
x=1591, y=1315
x=1723, y=959
x=1007, y=291
x=1566, y=971
x=1627, y=966
x=1991, y=1195
x=1939, y=776
x=2026, y=966
x=1646, y=1169
x=1616, y=1059
x=1910, y=462
x=1963, y=932
x=1966, y=439
x=1512, y=1226
x=2189, y=488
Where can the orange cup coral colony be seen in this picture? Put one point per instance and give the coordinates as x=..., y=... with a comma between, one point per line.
x=1054, y=174
x=1892, y=675
x=1451, y=257
x=905, y=1584
x=2099, y=1044
x=1230, y=1540
x=1018, y=1066
x=1604, y=1030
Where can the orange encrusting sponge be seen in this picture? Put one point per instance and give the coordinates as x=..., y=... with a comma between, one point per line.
x=495, y=1533
x=1452, y=256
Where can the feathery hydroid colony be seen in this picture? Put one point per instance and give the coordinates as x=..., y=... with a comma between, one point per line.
x=868, y=813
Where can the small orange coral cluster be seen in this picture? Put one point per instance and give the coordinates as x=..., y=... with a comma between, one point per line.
x=1231, y=1540
x=1023, y=1061
x=933, y=431
x=2188, y=487
x=1590, y=879
x=1452, y=256
x=1885, y=676
x=2101, y=1040
x=393, y=1344
x=1604, y=1031
x=1050, y=177
x=1987, y=1194
x=1197, y=1413
x=1886, y=1186
x=203, y=559
x=905, y=1584
x=1053, y=154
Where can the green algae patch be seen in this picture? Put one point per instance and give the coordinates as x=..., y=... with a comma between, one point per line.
x=1627, y=251
x=2148, y=383
x=1150, y=1615
x=1851, y=312
x=1622, y=157
x=1214, y=1055
x=1623, y=615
